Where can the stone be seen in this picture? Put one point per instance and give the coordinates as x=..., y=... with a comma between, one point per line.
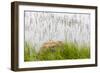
x=51, y=44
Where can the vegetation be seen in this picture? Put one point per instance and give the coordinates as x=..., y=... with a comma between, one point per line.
x=64, y=51
x=29, y=52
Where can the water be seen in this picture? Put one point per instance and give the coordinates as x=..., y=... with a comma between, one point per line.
x=41, y=27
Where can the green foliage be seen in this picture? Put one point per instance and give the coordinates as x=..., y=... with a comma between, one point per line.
x=84, y=53
x=65, y=51
x=29, y=52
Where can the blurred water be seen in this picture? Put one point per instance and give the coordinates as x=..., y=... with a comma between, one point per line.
x=43, y=26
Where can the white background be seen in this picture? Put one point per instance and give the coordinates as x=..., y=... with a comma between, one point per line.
x=5, y=37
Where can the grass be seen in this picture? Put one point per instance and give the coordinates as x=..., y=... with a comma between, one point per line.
x=29, y=52
x=65, y=51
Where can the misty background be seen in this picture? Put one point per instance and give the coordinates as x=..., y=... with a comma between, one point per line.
x=43, y=26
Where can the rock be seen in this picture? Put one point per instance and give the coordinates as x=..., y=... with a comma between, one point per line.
x=51, y=44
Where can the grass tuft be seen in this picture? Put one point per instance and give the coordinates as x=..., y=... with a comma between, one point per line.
x=65, y=51
x=29, y=52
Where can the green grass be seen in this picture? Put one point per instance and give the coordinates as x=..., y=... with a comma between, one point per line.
x=65, y=51
x=29, y=52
